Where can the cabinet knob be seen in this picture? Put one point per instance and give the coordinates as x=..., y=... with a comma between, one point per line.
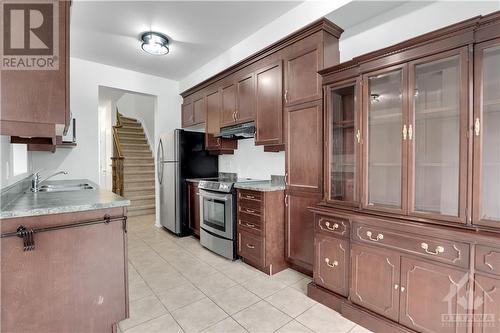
x=405, y=132
x=333, y=264
x=396, y=286
x=403, y=289
x=477, y=127
x=250, y=246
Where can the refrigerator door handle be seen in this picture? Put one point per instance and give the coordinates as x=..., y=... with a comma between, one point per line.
x=159, y=159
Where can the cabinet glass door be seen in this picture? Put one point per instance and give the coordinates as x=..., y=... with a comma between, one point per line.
x=487, y=134
x=385, y=116
x=438, y=112
x=344, y=138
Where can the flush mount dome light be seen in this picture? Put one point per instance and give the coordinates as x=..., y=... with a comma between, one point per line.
x=154, y=43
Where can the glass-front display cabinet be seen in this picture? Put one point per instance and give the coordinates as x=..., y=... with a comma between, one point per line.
x=344, y=137
x=385, y=133
x=437, y=136
x=486, y=128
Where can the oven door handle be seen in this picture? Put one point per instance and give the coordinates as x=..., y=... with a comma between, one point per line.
x=214, y=196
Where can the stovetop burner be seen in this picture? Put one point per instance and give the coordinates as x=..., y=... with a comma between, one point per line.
x=223, y=184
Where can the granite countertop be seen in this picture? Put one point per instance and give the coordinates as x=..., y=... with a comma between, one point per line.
x=44, y=203
x=264, y=186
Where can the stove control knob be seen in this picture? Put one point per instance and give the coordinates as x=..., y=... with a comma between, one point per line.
x=224, y=187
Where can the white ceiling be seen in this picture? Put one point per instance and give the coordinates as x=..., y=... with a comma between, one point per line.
x=108, y=31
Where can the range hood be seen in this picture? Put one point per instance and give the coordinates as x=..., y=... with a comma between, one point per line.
x=239, y=131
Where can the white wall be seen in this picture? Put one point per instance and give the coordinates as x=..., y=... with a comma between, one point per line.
x=251, y=161
x=407, y=21
x=15, y=162
x=85, y=79
x=142, y=108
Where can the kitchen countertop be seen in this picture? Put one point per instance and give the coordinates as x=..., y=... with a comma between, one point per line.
x=264, y=186
x=44, y=203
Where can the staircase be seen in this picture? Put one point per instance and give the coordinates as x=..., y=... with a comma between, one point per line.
x=135, y=177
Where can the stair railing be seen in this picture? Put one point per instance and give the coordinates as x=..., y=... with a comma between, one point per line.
x=117, y=161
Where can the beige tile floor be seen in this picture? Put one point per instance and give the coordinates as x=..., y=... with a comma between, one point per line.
x=178, y=286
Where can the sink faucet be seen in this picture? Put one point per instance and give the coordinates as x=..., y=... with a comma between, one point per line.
x=36, y=179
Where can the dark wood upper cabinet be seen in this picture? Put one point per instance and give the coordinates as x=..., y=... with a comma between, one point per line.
x=212, y=126
x=343, y=143
x=385, y=134
x=434, y=298
x=375, y=280
x=199, y=110
x=246, y=99
x=302, y=81
x=486, y=134
x=229, y=101
x=187, y=114
x=304, y=158
x=35, y=103
x=269, y=105
x=437, y=136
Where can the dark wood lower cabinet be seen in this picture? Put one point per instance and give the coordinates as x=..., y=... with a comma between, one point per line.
x=487, y=304
x=300, y=231
x=75, y=278
x=375, y=280
x=433, y=297
x=332, y=262
x=194, y=208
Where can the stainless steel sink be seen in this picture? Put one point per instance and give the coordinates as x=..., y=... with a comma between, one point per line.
x=66, y=187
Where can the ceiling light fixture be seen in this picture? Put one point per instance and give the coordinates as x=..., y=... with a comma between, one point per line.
x=154, y=43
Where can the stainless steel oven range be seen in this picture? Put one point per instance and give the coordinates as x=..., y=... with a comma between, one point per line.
x=218, y=216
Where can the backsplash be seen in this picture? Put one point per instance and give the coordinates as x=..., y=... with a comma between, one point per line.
x=250, y=161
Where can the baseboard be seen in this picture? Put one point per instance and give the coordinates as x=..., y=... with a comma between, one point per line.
x=353, y=312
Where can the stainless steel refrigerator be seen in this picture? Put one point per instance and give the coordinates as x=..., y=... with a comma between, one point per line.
x=181, y=154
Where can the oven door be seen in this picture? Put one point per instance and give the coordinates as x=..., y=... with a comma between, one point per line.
x=216, y=213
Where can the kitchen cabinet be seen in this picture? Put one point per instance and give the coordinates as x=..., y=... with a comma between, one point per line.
x=332, y=263
x=343, y=143
x=437, y=136
x=300, y=230
x=35, y=103
x=199, y=109
x=433, y=297
x=304, y=155
x=187, y=114
x=245, y=87
x=261, y=229
x=302, y=81
x=487, y=296
x=193, y=208
x=385, y=147
x=76, y=271
x=486, y=134
x=212, y=128
x=379, y=292
x=269, y=105
x=229, y=103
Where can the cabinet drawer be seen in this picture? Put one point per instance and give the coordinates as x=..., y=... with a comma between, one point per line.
x=249, y=208
x=249, y=195
x=332, y=263
x=332, y=225
x=250, y=225
x=453, y=253
x=251, y=247
x=487, y=259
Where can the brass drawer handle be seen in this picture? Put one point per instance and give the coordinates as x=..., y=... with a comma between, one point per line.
x=477, y=127
x=250, y=246
x=334, y=227
x=379, y=236
x=249, y=197
x=251, y=211
x=250, y=225
x=438, y=250
x=334, y=264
